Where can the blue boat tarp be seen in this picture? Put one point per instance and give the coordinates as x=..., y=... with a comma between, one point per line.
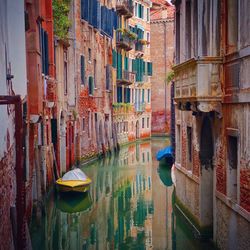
x=165, y=153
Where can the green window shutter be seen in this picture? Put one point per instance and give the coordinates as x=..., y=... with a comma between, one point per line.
x=91, y=87
x=142, y=11
x=82, y=69
x=134, y=65
x=143, y=67
x=143, y=95
x=126, y=63
x=114, y=57
x=150, y=69
x=139, y=10
x=119, y=66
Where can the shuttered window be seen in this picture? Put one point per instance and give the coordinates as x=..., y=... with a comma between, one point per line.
x=143, y=96
x=91, y=85
x=119, y=66
x=85, y=9
x=126, y=63
x=127, y=95
x=119, y=94
x=82, y=70
x=114, y=58
x=150, y=69
x=45, y=51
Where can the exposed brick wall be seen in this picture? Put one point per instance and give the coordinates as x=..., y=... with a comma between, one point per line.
x=7, y=197
x=221, y=170
x=245, y=188
x=159, y=58
x=183, y=147
x=196, y=162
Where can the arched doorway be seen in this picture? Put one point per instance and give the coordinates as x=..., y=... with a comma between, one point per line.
x=137, y=130
x=207, y=175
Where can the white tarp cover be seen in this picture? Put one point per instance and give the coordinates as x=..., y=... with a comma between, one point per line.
x=74, y=175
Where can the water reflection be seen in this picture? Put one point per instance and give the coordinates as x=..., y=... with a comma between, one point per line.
x=129, y=206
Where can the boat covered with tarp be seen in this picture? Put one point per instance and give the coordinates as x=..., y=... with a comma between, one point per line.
x=165, y=153
x=74, y=181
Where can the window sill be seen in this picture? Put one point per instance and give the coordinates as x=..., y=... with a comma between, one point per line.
x=233, y=205
x=188, y=173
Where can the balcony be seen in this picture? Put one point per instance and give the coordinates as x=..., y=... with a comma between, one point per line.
x=139, y=107
x=197, y=84
x=125, y=78
x=122, y=108
x=123, y=41
x=125, y=7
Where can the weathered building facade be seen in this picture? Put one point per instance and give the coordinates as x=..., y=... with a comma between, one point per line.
x=41, y=100
x=94, y=25
x=161, y=52
x=212, y=123
x=133, y=69
x=13, y=94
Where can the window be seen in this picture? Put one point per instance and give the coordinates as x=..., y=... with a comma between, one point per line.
x=140, y=11
x=142, y=122
x=148, y=15
x=83, y=124
x=189, y=142
x=91, y=87
x=188, y=29
x=178, y=144
x=150, y=68
x=148, y=122
x=143, y=95
x=148, y=39
x=232, y=25
x=82, y=70
x=232, y=166
x=148, y=95
x=136, y=9
x=177, y=36
x=119, y=94
x=94, y=82
x=65, y=72
x=195, y=27
x=44, y=51
x=89, y=54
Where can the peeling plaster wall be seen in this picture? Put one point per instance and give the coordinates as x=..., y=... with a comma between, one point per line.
x=13, y=60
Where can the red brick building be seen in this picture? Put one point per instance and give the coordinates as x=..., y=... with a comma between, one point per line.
x=162, y=52
x=212, y=118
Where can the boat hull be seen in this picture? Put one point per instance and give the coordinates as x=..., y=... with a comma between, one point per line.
x=73, y=186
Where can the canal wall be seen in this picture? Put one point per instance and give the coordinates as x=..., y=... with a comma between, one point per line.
x=232, y=230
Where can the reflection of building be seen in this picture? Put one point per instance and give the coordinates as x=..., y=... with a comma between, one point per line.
x=212, y=118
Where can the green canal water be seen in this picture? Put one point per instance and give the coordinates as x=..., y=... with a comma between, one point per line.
x=130, y=205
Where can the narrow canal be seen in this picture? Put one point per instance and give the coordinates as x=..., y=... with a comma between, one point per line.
x=130, y=205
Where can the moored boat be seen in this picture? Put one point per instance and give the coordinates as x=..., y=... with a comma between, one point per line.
x=166, y=153
x=74, y=181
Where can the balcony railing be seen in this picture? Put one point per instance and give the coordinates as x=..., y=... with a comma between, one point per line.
x=125, y=7
x=123, y=41
x=125, y=78
x=197, y=84
x=139, y=106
